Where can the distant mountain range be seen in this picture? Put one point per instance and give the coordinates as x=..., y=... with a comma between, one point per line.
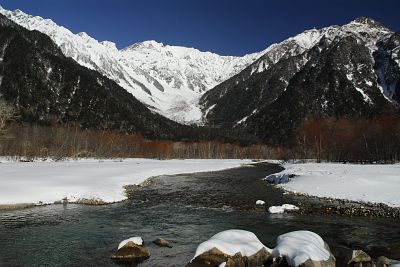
x=168, y=79
x=343, y=71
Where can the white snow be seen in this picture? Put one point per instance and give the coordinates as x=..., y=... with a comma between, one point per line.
x=365, y=96
x=162, y=76
x=373, y=183
x=231, y=242
x=47, y=182
x=136, y=240
x=260, y=202
x=282, y=208
x=299, y=246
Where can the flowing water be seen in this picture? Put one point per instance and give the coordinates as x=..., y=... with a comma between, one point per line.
x=184, y=209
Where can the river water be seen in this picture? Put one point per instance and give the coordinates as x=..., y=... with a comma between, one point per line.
x=184, y=209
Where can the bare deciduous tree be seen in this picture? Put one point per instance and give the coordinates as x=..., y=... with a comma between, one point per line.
x=7, y=113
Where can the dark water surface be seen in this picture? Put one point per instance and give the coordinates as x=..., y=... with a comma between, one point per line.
x=185, y=209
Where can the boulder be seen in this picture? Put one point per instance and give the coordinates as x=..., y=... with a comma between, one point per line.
x=302, y=248
x=131, y=252
x=162, y=243
x=212, y=257
x=360, y=259
x=259, y=258
x=215, y=257
x=278, y=178
x=383, y=261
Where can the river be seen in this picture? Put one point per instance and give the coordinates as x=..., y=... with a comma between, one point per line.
x=184, y=209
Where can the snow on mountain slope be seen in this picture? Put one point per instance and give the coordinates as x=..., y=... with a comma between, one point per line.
x=169, y=79
x=365, y=29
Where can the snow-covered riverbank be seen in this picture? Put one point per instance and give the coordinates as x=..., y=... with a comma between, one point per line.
x=47, y=182
x=372, y=183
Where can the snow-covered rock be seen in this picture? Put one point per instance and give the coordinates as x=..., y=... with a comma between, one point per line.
x=298, y=247
x=282, y=208
x=277, y=178
x=231, y=248
x=231, y=242
x=131, y=250
x=136, y=240
x=260, y=202
x=242, y=248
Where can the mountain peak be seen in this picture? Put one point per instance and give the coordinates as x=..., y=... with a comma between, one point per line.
x=150, y=44
x=369, y=22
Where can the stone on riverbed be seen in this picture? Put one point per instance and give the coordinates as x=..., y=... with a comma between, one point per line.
x=360, y=259
x=278, y=178
x=162, y=243
x=215, y=257
x=383, y=261
x=131, y=250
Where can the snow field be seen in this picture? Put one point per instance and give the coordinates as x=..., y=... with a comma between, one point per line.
x=47, y=182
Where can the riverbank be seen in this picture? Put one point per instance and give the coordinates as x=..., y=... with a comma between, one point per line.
x=369, y=183
x=88, y=181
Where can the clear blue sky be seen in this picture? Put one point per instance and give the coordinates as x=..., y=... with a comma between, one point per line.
x=227, y=27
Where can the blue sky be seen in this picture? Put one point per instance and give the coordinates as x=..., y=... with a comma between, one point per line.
x=227, y=27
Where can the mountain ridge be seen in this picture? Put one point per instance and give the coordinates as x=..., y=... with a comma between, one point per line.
x=169, y=79
x=339, y=77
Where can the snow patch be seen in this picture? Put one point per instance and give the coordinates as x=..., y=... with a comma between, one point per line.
x=375, y=183
x=136, y=240
x=260, y=202
x=47, y=182
x=282, y=208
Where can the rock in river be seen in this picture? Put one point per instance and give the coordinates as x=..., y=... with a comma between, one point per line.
x=131, y=250
x=360, y=259
x=162, y=243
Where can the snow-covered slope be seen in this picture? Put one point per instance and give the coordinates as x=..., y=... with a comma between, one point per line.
x=169, y=79
x=365, y=29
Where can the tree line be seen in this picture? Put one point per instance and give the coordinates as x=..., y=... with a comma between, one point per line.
x=374, y=139
x=62, y=141
x=360, y=139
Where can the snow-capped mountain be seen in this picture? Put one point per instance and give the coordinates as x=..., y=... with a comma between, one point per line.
x=46, y=87
x=350, y=70
x=168, y=79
